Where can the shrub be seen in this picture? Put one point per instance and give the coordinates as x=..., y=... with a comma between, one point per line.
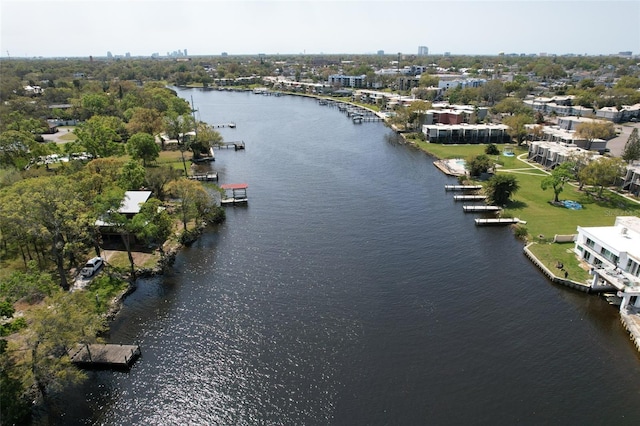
x=491, y=149
x=521, y=232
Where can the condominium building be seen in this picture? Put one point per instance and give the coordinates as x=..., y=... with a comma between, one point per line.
x=614, y=254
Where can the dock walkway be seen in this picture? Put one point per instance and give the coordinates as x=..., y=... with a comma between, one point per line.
x=497, y=221
x=462, y=187
x=469, y=197
x=480, y=209
x=236, y=145
x=105, y=355
x=205, y=177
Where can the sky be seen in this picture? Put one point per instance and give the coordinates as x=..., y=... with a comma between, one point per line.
x=82, y=28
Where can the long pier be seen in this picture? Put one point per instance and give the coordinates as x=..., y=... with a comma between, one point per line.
x=480, y=209
x=469, y=197
x=497, y=221
x=462, y=187
x=105, y=355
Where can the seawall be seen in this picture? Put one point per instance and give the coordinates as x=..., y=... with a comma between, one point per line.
x=553, y=277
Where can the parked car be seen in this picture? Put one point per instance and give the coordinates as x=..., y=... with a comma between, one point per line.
x=92, y=266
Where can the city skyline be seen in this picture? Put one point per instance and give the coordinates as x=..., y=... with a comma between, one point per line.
x=65, y=28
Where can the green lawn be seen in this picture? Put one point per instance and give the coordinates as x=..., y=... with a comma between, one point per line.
x=544, y=220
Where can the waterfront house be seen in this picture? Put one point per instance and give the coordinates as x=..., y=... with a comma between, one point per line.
x=130, y=206
x=613, y=252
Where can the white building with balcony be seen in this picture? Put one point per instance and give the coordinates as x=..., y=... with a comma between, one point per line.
x=614, y=254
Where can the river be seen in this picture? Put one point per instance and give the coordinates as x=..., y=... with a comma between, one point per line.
x=352, y=290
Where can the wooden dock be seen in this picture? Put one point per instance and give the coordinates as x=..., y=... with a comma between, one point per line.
x=105, y=355
x=358, y=119
x=462, y=187
x=469, y=197
x=237, y=145
x=497, y=221
x=229, y=125
x=480, y=209
x=205, y=177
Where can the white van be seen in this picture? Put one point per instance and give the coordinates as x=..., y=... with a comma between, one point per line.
x=92, y=267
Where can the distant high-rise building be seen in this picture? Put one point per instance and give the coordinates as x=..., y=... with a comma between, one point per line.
x=127, y=55
x=423, y=50
x=380, y=52
x=224, y=54
x=109, y=55
x=185, y=52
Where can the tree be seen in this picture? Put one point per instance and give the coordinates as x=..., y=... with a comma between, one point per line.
x=55, y=214
x=31, y=286
x=153, y=224
x=132, y=176
x=16, y=148
x=99, y=135
x=58, y=325
x=632, y=147
x=429, y=80
x=493, y=91
x=190, y=195
x=517, y=126
x=143, y=146
x=205, y=138
x=595, y=130
x=500, y=188
x=416, y=111
x=144, y=120
x=177, y=126
x=560, y=175
x=478, y=164
x=511, y=106
x=491, y=149
x=158, y=177
x=602, y=172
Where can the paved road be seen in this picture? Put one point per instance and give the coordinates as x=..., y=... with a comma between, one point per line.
x=616, y=145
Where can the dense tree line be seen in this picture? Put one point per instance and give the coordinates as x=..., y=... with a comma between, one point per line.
x=49, y=213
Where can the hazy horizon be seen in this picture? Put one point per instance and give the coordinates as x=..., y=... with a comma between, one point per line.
x=82, y=28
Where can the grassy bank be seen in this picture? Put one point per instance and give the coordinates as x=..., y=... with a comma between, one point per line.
x=532, y=204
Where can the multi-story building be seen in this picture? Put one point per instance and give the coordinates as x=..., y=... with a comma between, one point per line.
x=614, y=254
x=356, y=81
x=466, y=133
x=551, y=154
x=423, y=51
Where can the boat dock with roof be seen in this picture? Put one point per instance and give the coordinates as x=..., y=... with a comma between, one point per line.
x=235, y=193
